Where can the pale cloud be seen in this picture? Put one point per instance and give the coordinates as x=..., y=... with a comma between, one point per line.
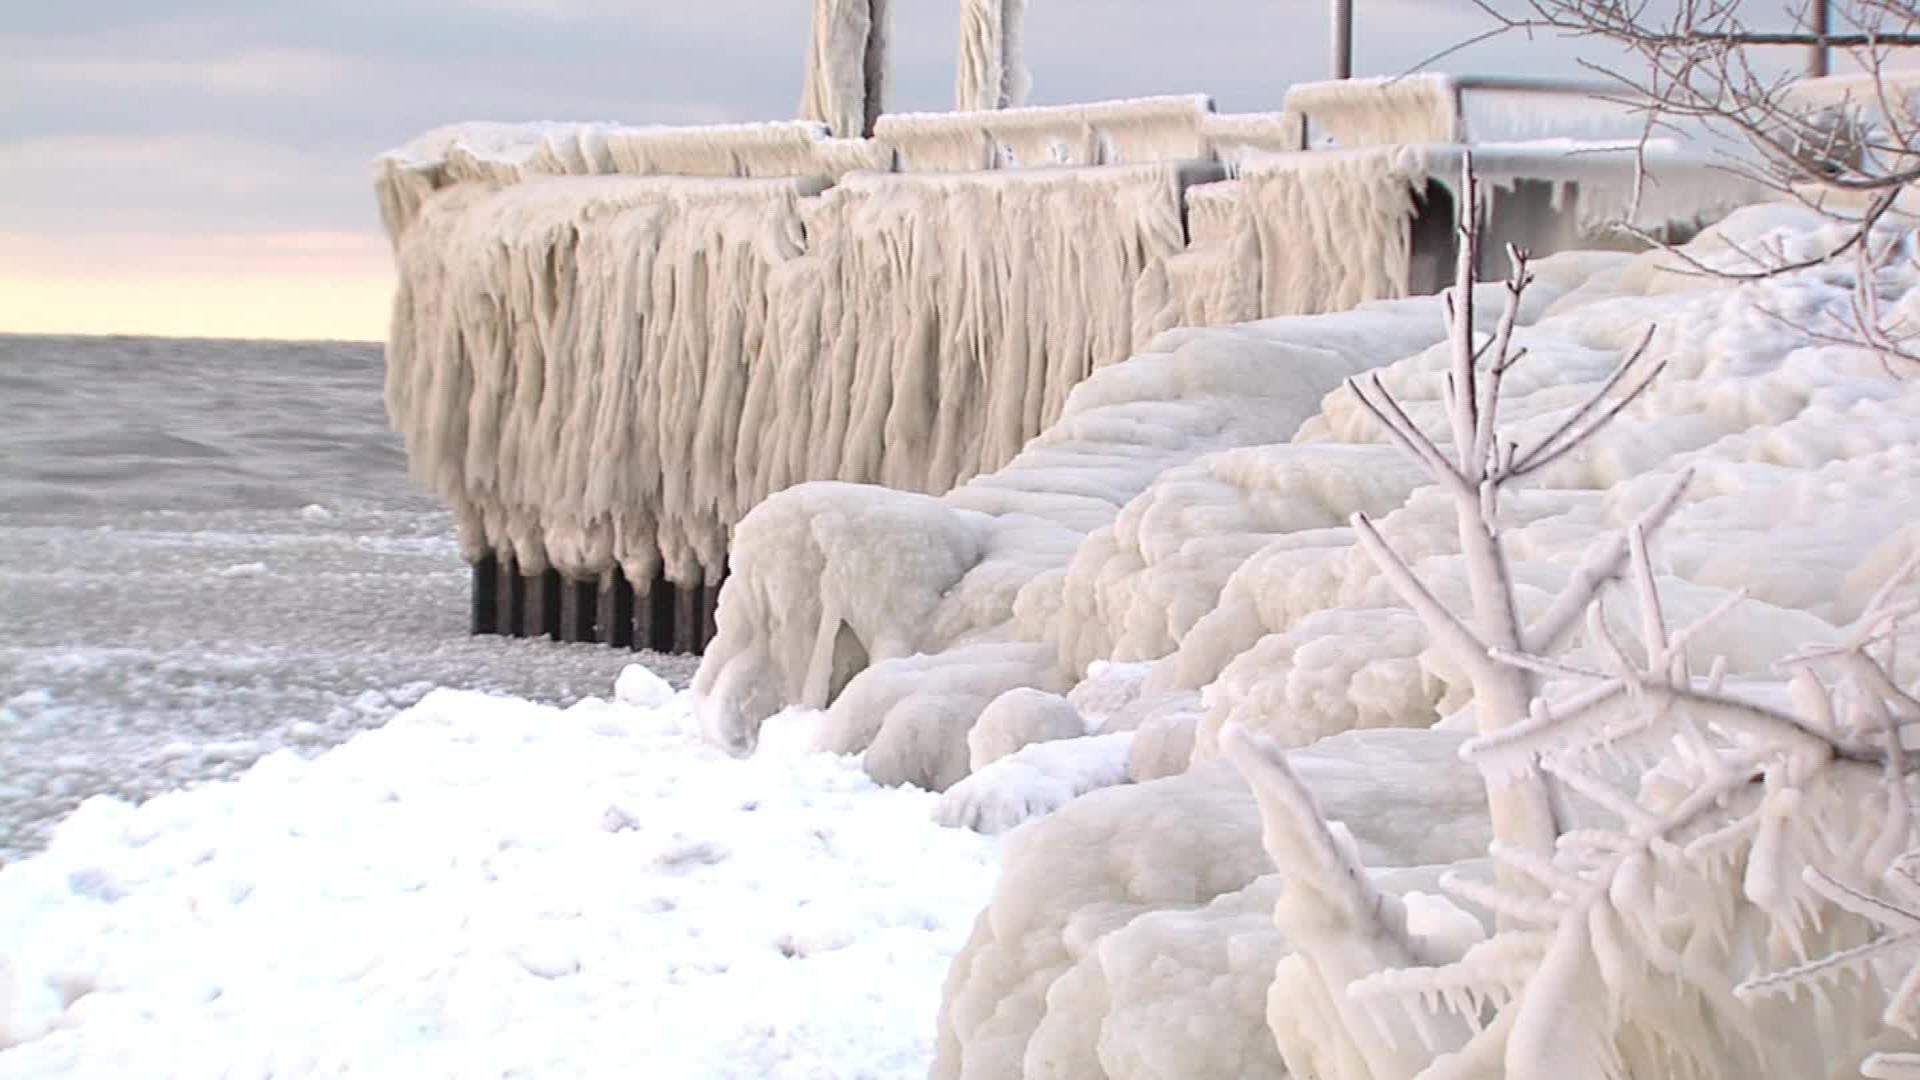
x=198, y=141
x=248, y=71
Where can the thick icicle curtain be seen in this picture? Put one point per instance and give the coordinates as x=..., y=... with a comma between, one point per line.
x=609, y=369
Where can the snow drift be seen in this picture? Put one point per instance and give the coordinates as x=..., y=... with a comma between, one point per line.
x=485, y=885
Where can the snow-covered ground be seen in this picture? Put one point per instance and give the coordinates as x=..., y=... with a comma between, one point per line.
x=486, y=886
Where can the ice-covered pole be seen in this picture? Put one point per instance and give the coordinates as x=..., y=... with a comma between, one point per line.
x=846, y=79
x=1342, y=39
x=991, y=73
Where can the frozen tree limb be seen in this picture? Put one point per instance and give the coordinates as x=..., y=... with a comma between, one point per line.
x=1523, y=813
x=1846, y=147
x=1344, y=928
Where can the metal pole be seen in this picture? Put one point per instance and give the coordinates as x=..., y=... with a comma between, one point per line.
x=1819, y=23
x=1343, y=38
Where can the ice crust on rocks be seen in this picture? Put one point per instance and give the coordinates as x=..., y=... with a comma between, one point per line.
x=1210, y=555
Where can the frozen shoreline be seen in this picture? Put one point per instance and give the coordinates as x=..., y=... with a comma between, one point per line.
x=210, y=551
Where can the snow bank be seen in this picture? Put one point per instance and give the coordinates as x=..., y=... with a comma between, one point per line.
x=489, y=886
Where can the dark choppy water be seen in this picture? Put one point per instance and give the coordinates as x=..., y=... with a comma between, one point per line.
x=210, y=550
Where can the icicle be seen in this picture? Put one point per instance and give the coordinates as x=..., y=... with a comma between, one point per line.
x=1768, y=876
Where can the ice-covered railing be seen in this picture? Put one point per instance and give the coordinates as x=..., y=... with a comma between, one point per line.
x=1298, y=233
x=1435, y=108
x=509, y=153
x=1102, y=133
x=1232, y=136
x=1556, y=137
x=1139, y=131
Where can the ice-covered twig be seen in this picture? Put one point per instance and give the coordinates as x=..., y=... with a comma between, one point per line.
x=1587, y=418
x=1548, y=632
x=1333, y=916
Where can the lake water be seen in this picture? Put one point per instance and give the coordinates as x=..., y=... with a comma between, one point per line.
x=210, y=550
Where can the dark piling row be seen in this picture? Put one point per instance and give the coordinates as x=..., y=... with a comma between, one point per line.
x=608, y=610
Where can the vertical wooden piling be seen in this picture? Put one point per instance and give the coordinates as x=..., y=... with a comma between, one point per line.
x=661, y=603
x=579, y=606
x=613, y=619
x=510, y=598
x=687, y=609
x=485, y=606
x=541, y=614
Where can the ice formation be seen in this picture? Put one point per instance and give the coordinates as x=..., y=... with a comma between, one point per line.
x=1051, y=980
x=1019, y=718
x=829, y=578
x=991, y=73
x=1297, y=233
x=562, y=345
x=1433, y=109
x=584, y=308
x=501, y=154
x=1214, y=547
x=1232, y=136
x=1414, y=110
x=1135, y=131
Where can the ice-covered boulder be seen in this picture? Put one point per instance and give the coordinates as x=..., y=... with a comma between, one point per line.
x=1050, y=981
x=1018, y=718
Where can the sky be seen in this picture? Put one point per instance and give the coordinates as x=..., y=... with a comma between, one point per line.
x=201, y=167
